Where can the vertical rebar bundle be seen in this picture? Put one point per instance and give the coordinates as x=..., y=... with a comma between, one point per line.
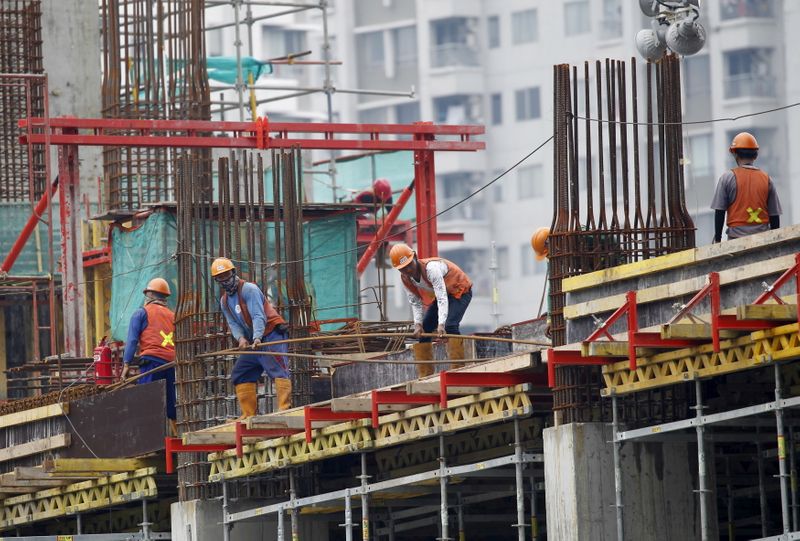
x=627, y=206
x=232, y=218
x=154, y=68
x=22, y=176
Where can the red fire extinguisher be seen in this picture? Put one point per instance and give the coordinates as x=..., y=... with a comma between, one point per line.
x=102, y=363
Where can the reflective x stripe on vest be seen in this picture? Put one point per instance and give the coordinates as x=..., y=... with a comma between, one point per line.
x=752, y=193
x=167, y=339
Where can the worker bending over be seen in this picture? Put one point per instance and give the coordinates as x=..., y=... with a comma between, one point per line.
x=152, y=332
x=746, y=194
x=445, y=290
x=253, y=321
x=540, y=242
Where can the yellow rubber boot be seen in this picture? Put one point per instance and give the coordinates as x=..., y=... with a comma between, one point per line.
x=283, y=388
x=455, y=352
x=423, y=351
x=248, y=400
x=173, y=428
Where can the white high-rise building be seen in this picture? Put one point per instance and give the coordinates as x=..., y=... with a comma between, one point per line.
x=491, y=62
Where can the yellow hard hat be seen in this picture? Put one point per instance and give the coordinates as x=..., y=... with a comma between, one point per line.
x=539, y=243
x=159, y=285
x=401, y=255
x=220, y=265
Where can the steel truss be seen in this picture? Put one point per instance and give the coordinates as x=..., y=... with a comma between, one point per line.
x=354, y=436
x=79, y=497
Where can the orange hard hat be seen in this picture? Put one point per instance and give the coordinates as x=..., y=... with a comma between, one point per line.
x=220, y=265
x=539, y=243
x=159, y=285
x=401, y=255
x=743, y=140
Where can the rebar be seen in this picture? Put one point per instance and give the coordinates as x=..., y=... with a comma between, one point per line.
x=592, y=228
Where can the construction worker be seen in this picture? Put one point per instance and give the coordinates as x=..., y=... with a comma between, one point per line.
x=253, y=321
x=152, y=332
x=541, y=248
x=746, y=194
x=445, y=290
x=379, y=195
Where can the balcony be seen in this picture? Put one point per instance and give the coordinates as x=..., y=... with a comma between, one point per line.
x=450, y=55
x=739, y=9
x=750, y=86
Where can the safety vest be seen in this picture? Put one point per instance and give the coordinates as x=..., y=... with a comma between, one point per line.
x=158, y=338
x=750, y=205
x=273, y=317
x=456, y=281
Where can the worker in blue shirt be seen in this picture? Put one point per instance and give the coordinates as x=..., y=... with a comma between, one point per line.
x=253, y=322
x=152, y=332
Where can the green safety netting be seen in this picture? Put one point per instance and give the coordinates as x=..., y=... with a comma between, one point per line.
x=223, y=68
x=33, y=259
x=142, y=253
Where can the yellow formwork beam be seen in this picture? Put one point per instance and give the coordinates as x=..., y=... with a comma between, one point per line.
x=78, y=497
x=749, y=351
x=395, y=428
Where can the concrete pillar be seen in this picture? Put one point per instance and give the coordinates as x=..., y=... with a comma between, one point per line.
x=658, y=480
x=201, y=520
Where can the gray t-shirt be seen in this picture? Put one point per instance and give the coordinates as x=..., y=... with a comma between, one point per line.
x=725, y=195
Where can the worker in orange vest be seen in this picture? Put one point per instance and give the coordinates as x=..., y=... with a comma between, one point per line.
x=540, y=242
x=253, y=321
x=439, y=293
x=152, y=332
x=746, y=194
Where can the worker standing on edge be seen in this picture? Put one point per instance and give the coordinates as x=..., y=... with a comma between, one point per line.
x=253, y=321
x=152, y=331
x=746, y=193
x=541, y=247
x=445, y=289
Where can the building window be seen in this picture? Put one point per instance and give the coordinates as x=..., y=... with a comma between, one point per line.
x=576, y=18
x=457, y=109
x=524, y=26
x=527, y=258
x=370, y=49
x=530, y=181
x=502, y=263
x=405, y=45
x=701, y=169
x=277, y=41
x=407, y=113
x=493, y=31
x=748, y=73
x=214, y=42
x=453, y=188
x=454, y=42
x=737, y=9
x=697, y=87
x=611, y=23
x=375, y=115
x=527, y=102
x=497, y=109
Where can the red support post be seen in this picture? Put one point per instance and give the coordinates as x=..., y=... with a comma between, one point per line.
x=30, y=225
x=771, y=292
x=176, y=445
x=324, y=413
x=484, y=379
x=425, y=180
x=71, y=248
x=556, y=357
x=384, y=229
x=397, y=397
x=243, y=432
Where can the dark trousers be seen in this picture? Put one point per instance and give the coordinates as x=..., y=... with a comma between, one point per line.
x=248, y=368
x=167, y=375
x=455, y=313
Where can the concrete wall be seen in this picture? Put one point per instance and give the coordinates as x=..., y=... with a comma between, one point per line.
x=658, y=479
x=201, y=520
x=71, y=49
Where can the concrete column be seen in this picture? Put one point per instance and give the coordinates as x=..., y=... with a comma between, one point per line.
x=201, y=520
x=658, y=480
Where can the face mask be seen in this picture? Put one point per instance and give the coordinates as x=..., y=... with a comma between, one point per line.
x=229, y=285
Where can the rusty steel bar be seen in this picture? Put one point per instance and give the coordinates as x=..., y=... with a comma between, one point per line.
x=626, y=218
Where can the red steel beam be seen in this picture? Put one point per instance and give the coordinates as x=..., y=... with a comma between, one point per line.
x=243, y=432
x=398, y=397
x=176, y=445
x=384, y=229
x=484, y=379
x=324, y=413
x=30, y=225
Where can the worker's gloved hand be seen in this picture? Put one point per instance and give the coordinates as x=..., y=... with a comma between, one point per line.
x=417, y=330
x=125, y=371
x=243, y=343
x=256, y=342
x=283, y=327
x=440, y=330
